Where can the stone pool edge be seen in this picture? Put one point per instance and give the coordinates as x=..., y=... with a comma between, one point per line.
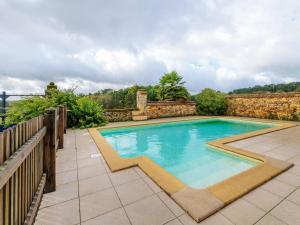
x=201, y=203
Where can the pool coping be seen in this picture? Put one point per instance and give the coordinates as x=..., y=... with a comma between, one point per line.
x=201, y=203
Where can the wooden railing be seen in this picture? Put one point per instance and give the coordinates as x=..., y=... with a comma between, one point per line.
x=27, y=165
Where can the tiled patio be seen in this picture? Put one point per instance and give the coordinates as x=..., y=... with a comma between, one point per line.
x=88, y=193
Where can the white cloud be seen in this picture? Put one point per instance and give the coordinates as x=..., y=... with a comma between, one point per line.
x=212, y=43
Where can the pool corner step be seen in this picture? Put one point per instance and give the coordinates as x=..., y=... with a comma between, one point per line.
x=199, y=203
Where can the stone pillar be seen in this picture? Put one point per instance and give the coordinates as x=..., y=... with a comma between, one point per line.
x=141, y=100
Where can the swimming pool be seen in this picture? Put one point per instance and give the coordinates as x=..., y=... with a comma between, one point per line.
x=181, y=148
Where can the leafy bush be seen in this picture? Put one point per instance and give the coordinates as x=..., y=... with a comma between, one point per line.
x=211, y=102
x=83, y=112
x=88, y=113
x=69, y=98
x=25, y=109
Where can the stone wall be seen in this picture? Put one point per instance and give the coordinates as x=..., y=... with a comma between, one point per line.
x=285, y=106
x=118, y=115
x=169, y=109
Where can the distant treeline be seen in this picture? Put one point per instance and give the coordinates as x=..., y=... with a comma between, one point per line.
x=289, y=87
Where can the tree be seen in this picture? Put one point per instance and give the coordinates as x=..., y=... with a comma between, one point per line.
x=211, y=102
x=51, y=88
x=171, y=87
x=289, y=87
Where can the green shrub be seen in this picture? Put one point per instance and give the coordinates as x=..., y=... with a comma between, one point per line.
x=83, y=112
x=211, y=102
x=25, y=109
x=69, y=98
x=88, y=113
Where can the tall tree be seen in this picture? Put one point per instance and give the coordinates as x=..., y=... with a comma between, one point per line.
x=171, y=87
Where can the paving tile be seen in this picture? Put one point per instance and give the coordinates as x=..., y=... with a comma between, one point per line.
x=94, y=184
x=287, y=212
x=115, y=217
x=63, y=213
x=278, y=187
x=133, y=191
x=66, y=152
x=88, y=154
x=66, y=177
x=295, y=170
x=262, y=139
x=152, y=185
x=287, y=132
x=237, y=144
x=98, y=203
x=295, y=196
x=244, y=143
x=140, y=172
x=173, y=206
x=242, y=212
x=62, y=193
x=123, y=176
x=295, y=160
x=263, y=199
x=269, y=220
x=84, y=143
x=149, y=211
x=261, y=148
x=91, y=171
x=216, y=218
x=289, y=178
x=187, y=220
x=66, y=166
x=89, y=162
x=284, y=152
x=65, y=155
x=174, y=222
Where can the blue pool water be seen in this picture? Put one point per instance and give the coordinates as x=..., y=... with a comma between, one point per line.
x=181, y=148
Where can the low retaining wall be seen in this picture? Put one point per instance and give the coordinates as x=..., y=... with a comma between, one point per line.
x=118, y=115
x=285, y=106
x=169, y=109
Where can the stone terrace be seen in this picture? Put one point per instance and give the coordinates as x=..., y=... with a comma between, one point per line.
x=88, y=193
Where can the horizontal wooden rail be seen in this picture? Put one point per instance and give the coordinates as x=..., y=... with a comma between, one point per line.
x=11, y=165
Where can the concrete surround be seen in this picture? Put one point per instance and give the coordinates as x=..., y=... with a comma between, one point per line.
x=201, y=203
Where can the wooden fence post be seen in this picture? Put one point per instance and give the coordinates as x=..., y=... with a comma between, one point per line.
x=61, y=124
x=65, y=119
x=49, y=149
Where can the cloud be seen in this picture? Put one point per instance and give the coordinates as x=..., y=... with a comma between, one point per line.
x=100, y=44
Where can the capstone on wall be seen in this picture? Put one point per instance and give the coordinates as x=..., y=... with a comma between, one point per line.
x=284, y=106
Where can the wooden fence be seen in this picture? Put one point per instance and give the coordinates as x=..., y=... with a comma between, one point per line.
x=27, y=165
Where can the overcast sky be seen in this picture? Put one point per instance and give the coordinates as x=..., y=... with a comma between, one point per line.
x=95, y=44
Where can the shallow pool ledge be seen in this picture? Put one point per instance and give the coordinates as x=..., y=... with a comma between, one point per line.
x=201, y=203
